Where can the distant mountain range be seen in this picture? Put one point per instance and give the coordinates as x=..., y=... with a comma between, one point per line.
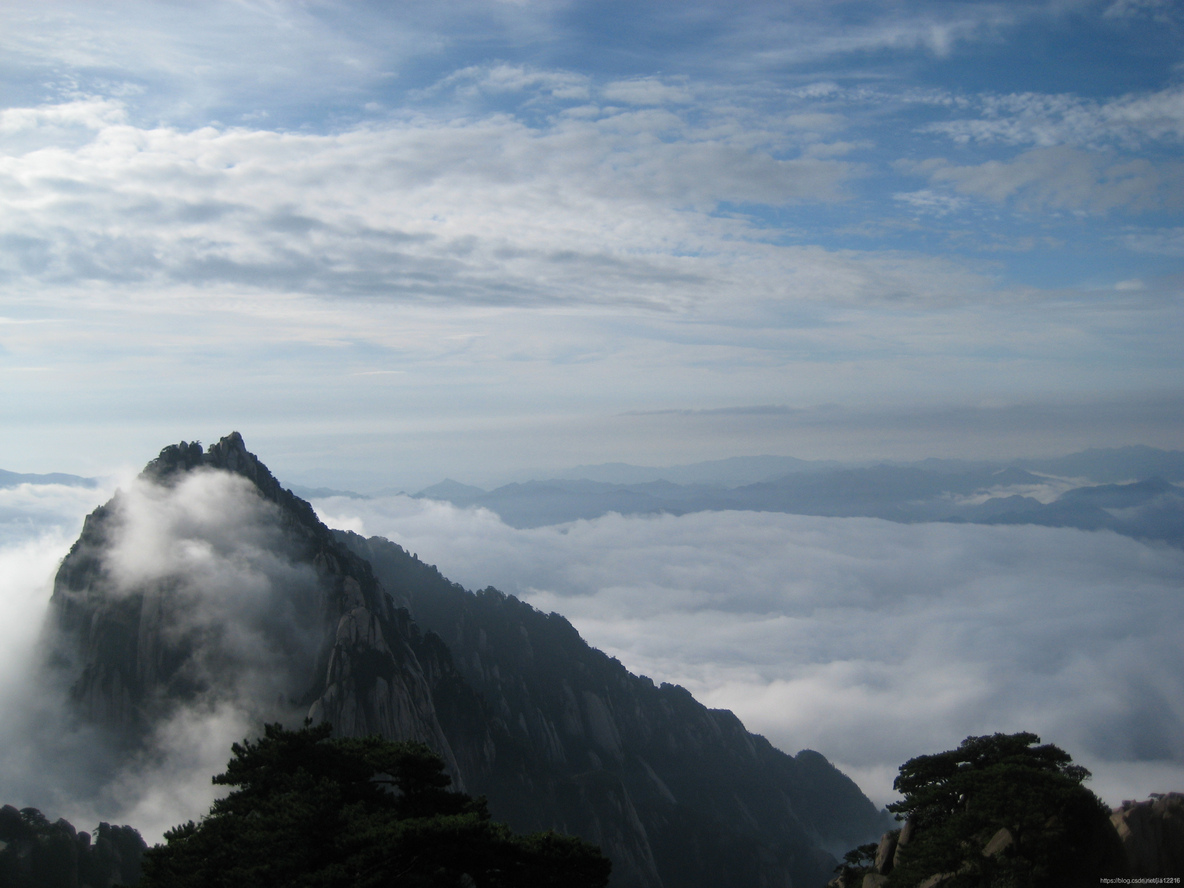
x=1129, y=490
x=730, y=472
x=12, y=479
x=1135, y=491
x=1099, y=465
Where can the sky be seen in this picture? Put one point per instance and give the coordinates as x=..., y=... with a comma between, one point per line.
x=391, y=243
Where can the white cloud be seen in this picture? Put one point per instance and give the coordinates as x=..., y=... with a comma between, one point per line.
x=646, y=91
x=1085, y=155
x=1163, y=11
x=1046, y=120
x=212, y=553
x=26, y=577
x=481, y=211
x=803, y=38
x=92, y=113
x=1067, y=179
x=28, y=511
x=929, y=201
x=503, y=78
x=869, y=641
x=1165, y=242
x=192, y=63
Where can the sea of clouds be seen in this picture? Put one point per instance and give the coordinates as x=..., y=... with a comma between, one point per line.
x=867, y=640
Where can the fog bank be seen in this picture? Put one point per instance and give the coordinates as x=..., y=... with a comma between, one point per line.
x=867, y=640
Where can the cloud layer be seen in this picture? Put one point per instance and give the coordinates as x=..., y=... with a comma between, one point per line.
x=869, y=641
x=332, y=224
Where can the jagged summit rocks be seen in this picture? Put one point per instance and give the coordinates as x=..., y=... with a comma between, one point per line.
x=231, y=455
x=208, y=587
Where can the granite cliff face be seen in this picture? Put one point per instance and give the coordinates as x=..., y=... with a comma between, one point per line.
x=299, y=626
x=678, y=793
x=211, y=585
x=1152, y=835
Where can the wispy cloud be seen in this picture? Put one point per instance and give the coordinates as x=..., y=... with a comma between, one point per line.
x=810, y=32
x=1066, y=178
x=486, y=211
x=753, y=410
x=1048, y=120
x=1165, y=242
x=504, y=78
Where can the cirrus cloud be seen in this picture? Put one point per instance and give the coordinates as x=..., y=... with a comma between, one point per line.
x=1064, y=178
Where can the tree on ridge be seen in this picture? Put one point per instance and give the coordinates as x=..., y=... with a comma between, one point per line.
x=311, y=811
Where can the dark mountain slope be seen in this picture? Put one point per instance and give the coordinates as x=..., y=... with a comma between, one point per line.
x=207, y=584
x=719, y=805
x=280, y=619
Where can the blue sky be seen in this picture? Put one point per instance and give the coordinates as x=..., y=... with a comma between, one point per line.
x=393, y=242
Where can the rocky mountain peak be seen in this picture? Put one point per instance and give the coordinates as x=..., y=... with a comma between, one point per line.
x=189, y=594
x=229, y=454
x=186, y=591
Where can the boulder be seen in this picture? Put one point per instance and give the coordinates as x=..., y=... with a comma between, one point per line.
x=1000, y=842
x=886, y=852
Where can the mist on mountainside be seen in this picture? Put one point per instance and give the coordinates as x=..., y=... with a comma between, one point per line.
x=864, y=639
x=213, y=552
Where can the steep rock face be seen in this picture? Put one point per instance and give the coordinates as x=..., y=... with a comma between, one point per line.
x=304, y=620
x=677, y=794
x=1152, y=835
x=255, y=601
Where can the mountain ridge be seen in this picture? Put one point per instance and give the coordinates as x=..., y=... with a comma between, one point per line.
x=557, y=734
x=1149, y=508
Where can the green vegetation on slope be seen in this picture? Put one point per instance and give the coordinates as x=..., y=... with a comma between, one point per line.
x=308, y=811
x=997, y=812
